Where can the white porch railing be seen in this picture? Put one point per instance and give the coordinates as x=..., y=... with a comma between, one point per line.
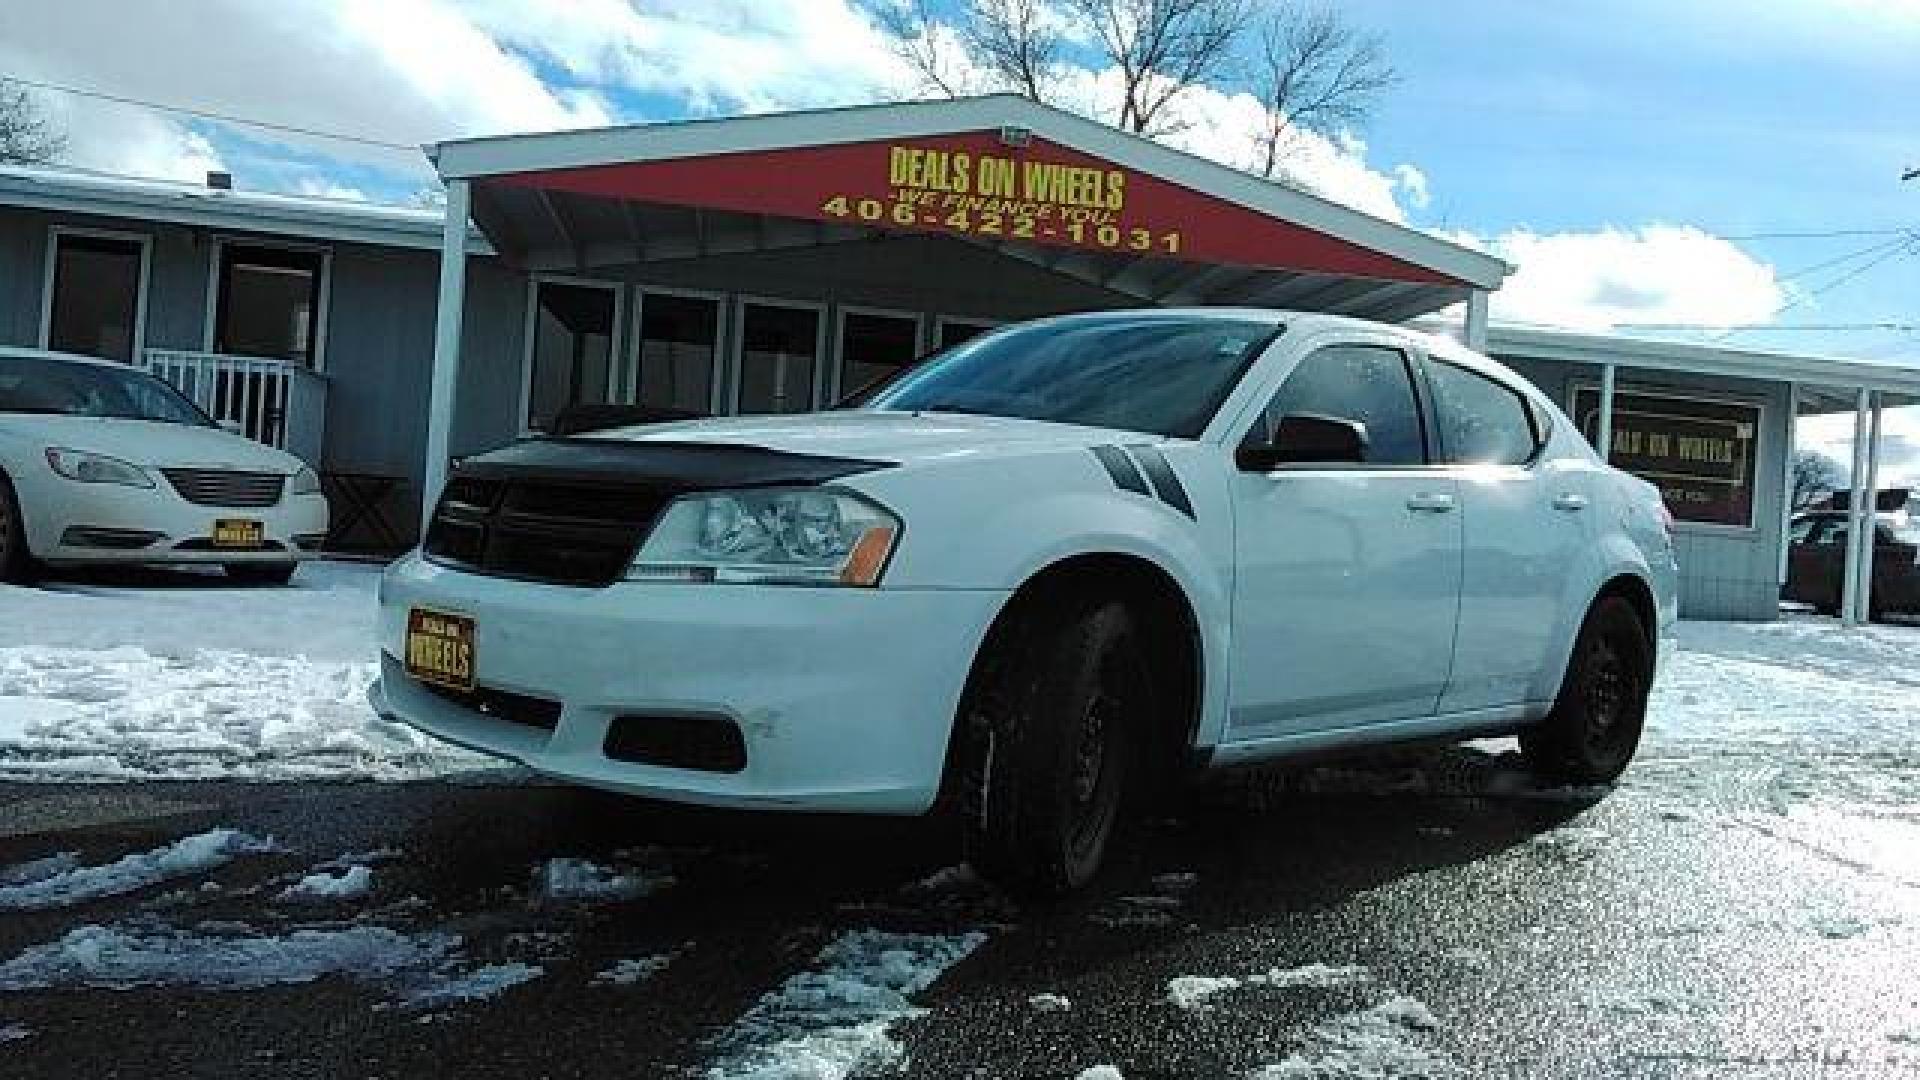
x=267, y=400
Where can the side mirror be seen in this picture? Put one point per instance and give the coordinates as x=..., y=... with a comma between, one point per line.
x=1307, y=439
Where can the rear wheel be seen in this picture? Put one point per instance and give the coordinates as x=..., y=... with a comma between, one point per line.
x=262, y=573
x=16, y=562
x=1055, y=730
x=1596, y=722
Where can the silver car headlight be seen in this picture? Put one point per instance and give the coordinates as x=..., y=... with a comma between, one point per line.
x=305, y=482
x=90, y=468
x=781, y=536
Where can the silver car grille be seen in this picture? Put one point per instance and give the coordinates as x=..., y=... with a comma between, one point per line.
x=220, y=487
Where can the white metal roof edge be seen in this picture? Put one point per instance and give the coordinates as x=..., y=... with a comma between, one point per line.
x=1545, y=343
x=476, y=159
x=60, y=191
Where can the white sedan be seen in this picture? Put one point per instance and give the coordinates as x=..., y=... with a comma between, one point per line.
x=1043, y=574
x=100, y=463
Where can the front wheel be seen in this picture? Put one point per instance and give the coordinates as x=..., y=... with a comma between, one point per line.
x=261, y=573
x=1055, y=732
x=1596, y=722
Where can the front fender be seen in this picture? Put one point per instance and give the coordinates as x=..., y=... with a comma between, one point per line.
x=1610, y=556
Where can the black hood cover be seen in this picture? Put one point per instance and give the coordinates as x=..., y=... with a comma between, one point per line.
x=683, y=466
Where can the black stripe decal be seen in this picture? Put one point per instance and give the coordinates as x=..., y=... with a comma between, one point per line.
x=1126, y=475
x=1165, y=483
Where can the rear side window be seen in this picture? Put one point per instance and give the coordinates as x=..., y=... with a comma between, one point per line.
x=1481, y=421
x=1368, y=384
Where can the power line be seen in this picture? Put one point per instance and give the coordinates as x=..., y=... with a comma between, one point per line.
x=1870, y=249
x=1819, y=234
x=1910, y=245
x=206, y=114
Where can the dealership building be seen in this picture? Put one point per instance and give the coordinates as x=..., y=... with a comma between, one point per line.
x=776, y=263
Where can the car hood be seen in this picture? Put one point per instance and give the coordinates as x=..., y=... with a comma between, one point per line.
x=897, y=437
x=153, y=445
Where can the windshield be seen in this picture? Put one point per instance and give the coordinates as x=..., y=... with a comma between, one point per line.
x=40, y=384
x=1164, y=375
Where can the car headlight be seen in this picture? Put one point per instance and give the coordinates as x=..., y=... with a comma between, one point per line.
x=305, y=482
x=783, y=536
x=96, y=468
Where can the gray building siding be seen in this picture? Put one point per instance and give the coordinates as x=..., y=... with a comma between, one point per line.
x=1725, y=573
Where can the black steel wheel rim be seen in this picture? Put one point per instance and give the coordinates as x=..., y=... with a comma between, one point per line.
x=1608, y=692
x=1092, y=787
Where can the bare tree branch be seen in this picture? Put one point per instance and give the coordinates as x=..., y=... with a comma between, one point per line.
x=915, y=34
x=1315, y=73
x=27, y=137
x=1018, y=41
x=1161, y=48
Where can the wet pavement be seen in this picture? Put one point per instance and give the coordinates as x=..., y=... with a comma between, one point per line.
x=1722, y=913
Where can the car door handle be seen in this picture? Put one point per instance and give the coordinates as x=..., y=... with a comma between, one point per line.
x=1570, y=502
x=1430, y=502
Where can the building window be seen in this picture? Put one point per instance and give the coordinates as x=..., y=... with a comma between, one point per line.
x=679, y=350
x=874, y=347
x=94, y=300
x=955, y=331
x=571, y=348
x=779, y=349
x=268, y=303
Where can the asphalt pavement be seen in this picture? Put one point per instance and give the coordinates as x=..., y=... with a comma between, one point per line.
x=1432, y=914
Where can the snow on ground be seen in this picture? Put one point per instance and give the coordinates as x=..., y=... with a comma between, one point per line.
x=1100, y=1072
x=581, y=881
x=14, y=1033
x=59, y=881
x=831, y=1019
x=1375, y=1043
x=633, y=972
x=183, y=676
x=1048, y=1003
x=350, y=884
x=1198, y=991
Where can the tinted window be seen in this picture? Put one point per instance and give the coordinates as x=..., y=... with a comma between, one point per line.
x=1366, y=384
x=35, y=385
x=1481, y=421
x=1162, y=374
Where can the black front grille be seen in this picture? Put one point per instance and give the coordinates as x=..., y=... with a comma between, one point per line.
x=541, y=530
x=677, y=741
x=523, y=709
x=221, y=487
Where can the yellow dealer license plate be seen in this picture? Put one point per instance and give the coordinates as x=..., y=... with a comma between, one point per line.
x=238, y=533
x=440, y=648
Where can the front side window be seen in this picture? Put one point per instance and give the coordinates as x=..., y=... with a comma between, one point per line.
x=572, y=349
x=31, y=384
x=95, y=306
x=1160, y=374
x=268, y=303
x=1481, y=421
x=1369, y=385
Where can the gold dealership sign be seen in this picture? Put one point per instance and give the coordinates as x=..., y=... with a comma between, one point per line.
x=1698, y=451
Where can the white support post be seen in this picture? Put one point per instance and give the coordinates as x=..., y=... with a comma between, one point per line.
x=449, y=318
x=1868, y=533
x=1857, y=497
x=1474, y=330
x=1603, y=431
x=1786, y=478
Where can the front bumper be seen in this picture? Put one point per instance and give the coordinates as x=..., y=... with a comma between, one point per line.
x=844, y=697
x=71, y=523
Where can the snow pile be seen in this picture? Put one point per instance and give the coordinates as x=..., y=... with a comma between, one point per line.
x=581, y=881
x=634, y=971
x=832, y=1019
x=1197, y=991
x=1048, y=1003
x=60, y=881
x=14, y=1033
x=190, y=679
x=1100, y=1072
x=420, y=970
x=350, y=884
x=1373, y=1044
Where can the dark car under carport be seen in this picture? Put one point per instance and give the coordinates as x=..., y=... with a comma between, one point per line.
x=1817, y=559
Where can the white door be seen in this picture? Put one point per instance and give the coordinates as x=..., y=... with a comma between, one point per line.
x=1525, y=521
x=1347, y=577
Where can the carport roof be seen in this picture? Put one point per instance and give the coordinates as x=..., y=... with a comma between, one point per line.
x=610, y=196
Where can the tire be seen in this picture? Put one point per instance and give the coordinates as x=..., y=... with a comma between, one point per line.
x=1056, y=725
x=262, y=573
x=16, y=562
x=1594, y=728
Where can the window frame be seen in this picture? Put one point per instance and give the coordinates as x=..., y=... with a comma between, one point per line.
x=834, y=390
x=531, y=322
x=1409, y=355
x=323, y=298
x=144, y=286
x=934, y=340
x=1524, y=399
x=736, y=351
x=629, y=373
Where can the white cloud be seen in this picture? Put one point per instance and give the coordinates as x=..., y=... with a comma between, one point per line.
x=1609, y=277
x=320, y=187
